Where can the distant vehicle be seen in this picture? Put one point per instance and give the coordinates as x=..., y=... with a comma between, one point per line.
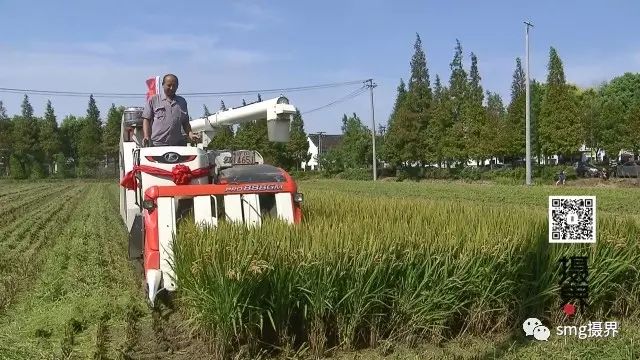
x=584, y=169
x=628, y=169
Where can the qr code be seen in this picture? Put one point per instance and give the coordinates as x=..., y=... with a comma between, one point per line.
x=572, y=219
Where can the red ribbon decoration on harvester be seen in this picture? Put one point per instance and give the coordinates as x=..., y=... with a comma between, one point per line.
x=180, y=174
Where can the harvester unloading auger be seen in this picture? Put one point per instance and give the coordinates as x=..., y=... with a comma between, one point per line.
x=160, y=183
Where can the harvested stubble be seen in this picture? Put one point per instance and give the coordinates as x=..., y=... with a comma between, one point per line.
x=359, y=270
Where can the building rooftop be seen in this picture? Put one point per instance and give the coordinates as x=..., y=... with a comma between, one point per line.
x=328, y=142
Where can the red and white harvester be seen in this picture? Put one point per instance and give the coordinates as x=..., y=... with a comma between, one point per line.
x=159, y=184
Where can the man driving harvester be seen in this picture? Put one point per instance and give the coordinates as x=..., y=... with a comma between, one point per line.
x=165, y=115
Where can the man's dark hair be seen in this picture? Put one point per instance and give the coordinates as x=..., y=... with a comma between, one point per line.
x=166, y=76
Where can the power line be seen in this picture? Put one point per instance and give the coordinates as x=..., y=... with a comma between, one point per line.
x=292, y=89
x=195, y=94
x=351, y=95
x=348, y=97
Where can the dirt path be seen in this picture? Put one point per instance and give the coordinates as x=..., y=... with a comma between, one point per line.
x=610, y=183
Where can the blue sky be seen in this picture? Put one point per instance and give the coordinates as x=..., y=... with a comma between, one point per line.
x=113, y=46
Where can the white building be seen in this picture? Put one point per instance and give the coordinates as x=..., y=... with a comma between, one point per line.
x=319, y=144
x=312, y=164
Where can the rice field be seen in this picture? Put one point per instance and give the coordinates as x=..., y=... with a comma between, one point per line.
x=375, y=271
x=401, y=264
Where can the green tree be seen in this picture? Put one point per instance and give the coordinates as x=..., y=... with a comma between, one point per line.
x=3, y=112
x=609, y=115
x=441, y=124
x=516, y=114
x=496, y=126
x=332, y=162
x=222, y=139
x=25, y=131
x=560, y=131
x=537, y=95
x=390, y=152
x=406, y=139
x=90, y=144
x=253, y=136
x=588, y=100
x=17, y=166
x=418, y=103
x=457, y=132
x=626, y=90
x=356, y=145
x=633, y=127
x=6, y=144
x=49, y=136
x=298, y=146
x=475, y=116
x=70, y=133
x=400, y=98
x=111, y=133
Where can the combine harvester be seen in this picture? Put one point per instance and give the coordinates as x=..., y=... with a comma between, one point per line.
x=159, y=184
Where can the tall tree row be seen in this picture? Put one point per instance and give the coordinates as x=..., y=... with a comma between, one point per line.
x=461, y=121
x=449, y=124
x=35, y=147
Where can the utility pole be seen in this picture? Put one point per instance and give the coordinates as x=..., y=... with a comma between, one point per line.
x=319, y=146
x=370, y=84
x=528, y=111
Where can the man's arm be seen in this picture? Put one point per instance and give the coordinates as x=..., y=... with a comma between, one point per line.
x=147, y=116
x=186, y=125
x=146, y=128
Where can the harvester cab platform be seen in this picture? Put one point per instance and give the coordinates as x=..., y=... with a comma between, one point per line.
x=159, y=185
